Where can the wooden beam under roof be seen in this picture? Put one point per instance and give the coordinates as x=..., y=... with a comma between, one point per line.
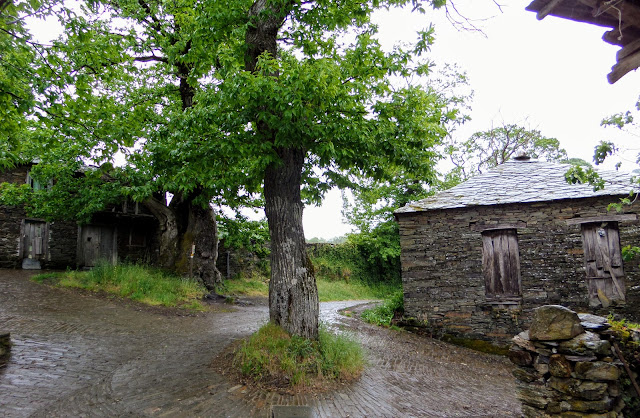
x=622, y=16
x=547, y=8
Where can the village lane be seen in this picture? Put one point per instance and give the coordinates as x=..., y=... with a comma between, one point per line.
x=77, y=354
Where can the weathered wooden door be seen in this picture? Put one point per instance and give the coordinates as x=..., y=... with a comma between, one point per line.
x=603, y=263
x=34, y=243
x=501, y=264
x=97, y=242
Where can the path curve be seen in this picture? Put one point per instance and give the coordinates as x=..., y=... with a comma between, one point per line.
x=76, y=354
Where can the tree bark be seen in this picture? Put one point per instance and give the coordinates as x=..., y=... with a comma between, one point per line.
x=182, y=225
x=293, y=293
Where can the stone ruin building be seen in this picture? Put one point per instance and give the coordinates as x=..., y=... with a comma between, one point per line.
x=479, y=257
x=126, y=231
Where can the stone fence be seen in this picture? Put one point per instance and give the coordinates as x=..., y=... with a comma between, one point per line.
x=567, y=366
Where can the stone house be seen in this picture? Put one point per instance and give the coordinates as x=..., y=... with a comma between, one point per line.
x=123, y=232
x=479, y=257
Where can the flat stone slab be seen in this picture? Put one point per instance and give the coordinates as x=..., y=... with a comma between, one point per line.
x=554, y=322
x=284, y=411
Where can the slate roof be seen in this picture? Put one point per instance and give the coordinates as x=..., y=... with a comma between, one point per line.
x=520, y=181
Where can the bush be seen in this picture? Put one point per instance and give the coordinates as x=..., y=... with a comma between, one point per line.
x=273, y=357
x=384, y=313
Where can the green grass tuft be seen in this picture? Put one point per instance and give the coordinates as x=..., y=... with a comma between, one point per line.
x=139, y=283
x=328, y=290
x=384, y=313
x=272, y=356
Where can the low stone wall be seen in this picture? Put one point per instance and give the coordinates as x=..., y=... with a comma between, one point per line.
x=5, y=347
x=566, y=366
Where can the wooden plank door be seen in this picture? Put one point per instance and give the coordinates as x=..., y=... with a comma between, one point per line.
x=603, y=263
x=97, y=243
x=501, y=264
x=34, y=243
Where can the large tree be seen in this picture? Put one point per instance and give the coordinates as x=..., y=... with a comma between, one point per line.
x=213, y=100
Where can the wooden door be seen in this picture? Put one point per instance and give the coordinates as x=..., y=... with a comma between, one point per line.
x=97, y=243
x=603, y=263
x=501, y=264
x=34, y=242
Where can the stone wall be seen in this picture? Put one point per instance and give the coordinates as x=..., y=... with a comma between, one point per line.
x=63, y=245
x=566, y=366
x=442, y=265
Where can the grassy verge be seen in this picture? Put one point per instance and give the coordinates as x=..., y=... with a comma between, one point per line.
x=328, y=290
x=384, y=313
x=142, y=284
x=272, y=357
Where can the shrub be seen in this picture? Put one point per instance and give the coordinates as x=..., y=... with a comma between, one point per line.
x=384, y=313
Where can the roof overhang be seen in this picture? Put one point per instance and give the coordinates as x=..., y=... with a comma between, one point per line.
x=622, y=17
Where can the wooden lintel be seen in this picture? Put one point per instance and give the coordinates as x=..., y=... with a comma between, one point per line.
x=482, y=228
x=604, y=218
x=628, y=50
x=624, y=66
x=547, y=8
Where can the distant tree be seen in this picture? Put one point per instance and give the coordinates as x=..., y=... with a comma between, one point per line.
x=488, y=149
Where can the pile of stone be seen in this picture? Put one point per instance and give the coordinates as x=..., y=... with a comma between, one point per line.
x=566, y=366
x=5, y=347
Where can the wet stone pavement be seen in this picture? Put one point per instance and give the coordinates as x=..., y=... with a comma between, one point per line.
x=76, y=354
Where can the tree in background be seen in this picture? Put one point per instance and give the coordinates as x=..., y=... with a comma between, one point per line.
x=487, y=149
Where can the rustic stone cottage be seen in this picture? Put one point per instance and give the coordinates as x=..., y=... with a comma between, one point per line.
x=477, y=258
x=123, y=232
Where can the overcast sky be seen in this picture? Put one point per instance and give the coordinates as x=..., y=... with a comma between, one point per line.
x=550, y=75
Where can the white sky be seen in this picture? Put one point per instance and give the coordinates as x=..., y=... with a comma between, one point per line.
x=550, y=75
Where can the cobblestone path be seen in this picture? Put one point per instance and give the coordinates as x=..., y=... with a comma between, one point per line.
x=76, y=354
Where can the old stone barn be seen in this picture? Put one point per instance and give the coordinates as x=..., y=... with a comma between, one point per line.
x=477, y=258
x=126, y=231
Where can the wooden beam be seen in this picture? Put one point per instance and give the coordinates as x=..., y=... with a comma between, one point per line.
x=628, y=50
x=484, y=227
x=630, y=63
x=547, y=8
x=605, y=218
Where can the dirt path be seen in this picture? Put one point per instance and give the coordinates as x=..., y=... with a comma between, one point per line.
x=81, y=355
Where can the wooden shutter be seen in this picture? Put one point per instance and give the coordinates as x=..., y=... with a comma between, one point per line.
x=501, y=264
x=603, y=263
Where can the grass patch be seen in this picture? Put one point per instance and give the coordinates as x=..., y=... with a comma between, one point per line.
x=328, y=290
x=274, y=358
x=139, y=283
x=384, y=313
x=255, y=285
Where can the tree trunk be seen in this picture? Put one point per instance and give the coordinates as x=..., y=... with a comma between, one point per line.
x=293, y=294
x=184, y=224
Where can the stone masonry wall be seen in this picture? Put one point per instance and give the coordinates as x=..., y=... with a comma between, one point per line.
x=442, y=265
x=567, y=366
x=63, y=244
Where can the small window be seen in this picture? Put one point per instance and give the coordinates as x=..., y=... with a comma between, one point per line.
x=603, y=263
x=37, y=185
x=501, y=265
x=137, y=237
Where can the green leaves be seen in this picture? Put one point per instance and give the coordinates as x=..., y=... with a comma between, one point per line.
x=487, y=149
